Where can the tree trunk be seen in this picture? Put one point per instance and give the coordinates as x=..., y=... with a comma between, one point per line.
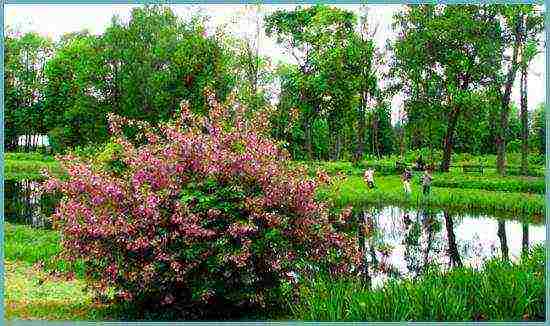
x=503, y=242
x=525, y=238
x=505, y=99
x=402, y=141
x=361, y=223
x=524, y=122
x=337, y=144
x=361, y=129
x=309, y=148
x=453, y=249
x=449, y=140
x=375, y=141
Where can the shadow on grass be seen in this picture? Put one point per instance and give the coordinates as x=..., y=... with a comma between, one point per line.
x=55, y=310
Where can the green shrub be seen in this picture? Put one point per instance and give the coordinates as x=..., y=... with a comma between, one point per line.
x=204, y=219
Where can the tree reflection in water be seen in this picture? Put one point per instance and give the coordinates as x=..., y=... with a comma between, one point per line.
x=398, y=243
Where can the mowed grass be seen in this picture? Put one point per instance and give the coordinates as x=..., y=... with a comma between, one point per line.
x=31, y=293
x=37, y=284
x=491, y=182
x=389, y=191
x=28, y=245
x=19, y=166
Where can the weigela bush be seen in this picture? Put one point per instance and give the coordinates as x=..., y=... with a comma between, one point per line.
x=201, y=210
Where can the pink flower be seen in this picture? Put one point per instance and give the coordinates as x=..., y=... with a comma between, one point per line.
x=167, y=300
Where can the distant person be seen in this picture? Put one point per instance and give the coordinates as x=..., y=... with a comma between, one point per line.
x=407, y=219
x=426, y=182
x=369, y=177
x=406, y=177
x=420, y=163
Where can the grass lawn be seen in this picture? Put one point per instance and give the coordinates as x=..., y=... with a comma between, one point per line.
x=35, y=288
x=18, y=166
x=389, y=191
x=32, y=293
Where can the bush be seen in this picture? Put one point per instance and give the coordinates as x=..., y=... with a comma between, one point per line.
x=203, y=214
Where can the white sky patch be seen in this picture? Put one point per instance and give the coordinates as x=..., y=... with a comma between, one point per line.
x=55, y=20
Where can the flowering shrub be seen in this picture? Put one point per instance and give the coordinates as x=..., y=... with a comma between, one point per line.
x=202, y=210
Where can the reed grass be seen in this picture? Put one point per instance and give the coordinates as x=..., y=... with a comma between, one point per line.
x=500, y=291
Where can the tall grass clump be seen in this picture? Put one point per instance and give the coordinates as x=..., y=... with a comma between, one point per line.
x=501, y=290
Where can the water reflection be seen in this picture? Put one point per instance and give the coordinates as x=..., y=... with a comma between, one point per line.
x=404, y=243
x=24, y=204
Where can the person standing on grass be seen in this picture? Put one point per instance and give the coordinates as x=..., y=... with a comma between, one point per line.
x=426, y=182
x=369, y=177
x=406, y=177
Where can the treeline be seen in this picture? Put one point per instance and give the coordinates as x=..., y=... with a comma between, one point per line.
x=453, y=66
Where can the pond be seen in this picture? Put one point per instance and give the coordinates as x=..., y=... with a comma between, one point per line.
x=23, y=203
x=401, y=243
x=396, y=242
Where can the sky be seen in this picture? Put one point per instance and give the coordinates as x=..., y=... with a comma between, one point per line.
x=55, y=20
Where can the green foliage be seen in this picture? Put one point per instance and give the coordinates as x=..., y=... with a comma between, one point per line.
x=24, y=82
x=500, y=291
x=74, y=105
x=141, y=69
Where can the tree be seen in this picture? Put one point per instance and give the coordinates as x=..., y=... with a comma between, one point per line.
x=370, y=60
x=141, y=69
x=25, y=57
x=531, y=47
x=445, y=57
x=75, y=96
x=156, y=60
x=329, y=58
x=519, y=23
x=381, y=133
x=538, y=130
x=254, y=72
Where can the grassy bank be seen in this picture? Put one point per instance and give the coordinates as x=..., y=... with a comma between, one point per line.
x=32, y=293
x=500, y=291
x=388, y=166
x=32, y=246
x=18, y=166
x=37, y=284
x=389, y=191
x=490, y=182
